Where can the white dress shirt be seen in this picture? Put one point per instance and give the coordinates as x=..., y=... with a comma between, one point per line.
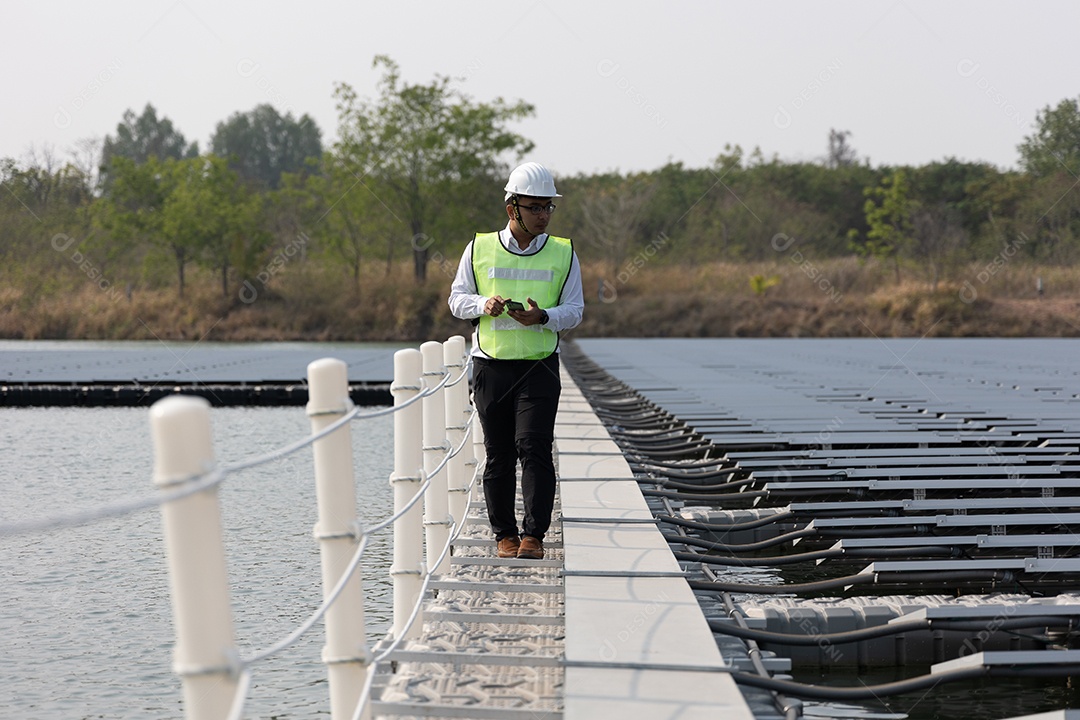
x=466, y=304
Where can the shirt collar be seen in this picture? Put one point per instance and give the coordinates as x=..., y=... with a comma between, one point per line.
x=507, y=239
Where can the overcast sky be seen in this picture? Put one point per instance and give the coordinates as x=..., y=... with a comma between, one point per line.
x=621, y=86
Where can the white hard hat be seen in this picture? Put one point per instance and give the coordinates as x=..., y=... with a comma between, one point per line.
x=532, y=179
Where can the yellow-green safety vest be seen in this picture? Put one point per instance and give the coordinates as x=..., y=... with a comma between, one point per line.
x=539, y=276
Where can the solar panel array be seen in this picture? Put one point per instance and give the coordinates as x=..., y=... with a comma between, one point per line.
x=204, y=363
x=972, y=444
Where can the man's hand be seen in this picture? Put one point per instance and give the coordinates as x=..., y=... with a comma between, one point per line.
x=494, y=306
x=532, y=316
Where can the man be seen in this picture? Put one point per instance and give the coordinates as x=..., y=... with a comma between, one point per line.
x=521, y=287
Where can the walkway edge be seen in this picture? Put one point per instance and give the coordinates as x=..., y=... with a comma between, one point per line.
x=637, y=642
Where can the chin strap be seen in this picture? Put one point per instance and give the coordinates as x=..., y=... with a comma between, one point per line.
x=520, y=220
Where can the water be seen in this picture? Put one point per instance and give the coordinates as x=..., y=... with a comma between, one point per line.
x=85, y=615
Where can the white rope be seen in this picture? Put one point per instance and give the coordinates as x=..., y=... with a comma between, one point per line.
x=355, y=562
x=365, y=695
x=364, y=538
x=317, y=615
x=420, y=491
x=196, y=484
x=243, y=687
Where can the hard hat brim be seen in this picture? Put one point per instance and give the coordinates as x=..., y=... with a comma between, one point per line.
x=541, y=197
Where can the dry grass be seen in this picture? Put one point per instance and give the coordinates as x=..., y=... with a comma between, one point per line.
x=834, y=298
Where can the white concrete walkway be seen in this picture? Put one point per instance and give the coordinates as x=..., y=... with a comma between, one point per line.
x=605, y=625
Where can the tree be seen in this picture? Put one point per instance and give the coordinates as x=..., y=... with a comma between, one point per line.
x=953, y=183
x=937, y=236
x=185, y=206
x=345, y=217
x=1054, y=147
x=890, y=225
x=209, y=215
x=139, y=138
x=614, y=212
x=840, y=153
x=996, y=201
x=39, y=199
x=132, y=212
x=262, y=144
x=424, y=144
x=1048, y=221
x=47, y=186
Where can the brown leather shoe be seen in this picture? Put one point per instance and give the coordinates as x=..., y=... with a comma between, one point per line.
x=531, y=548
x=508, y=546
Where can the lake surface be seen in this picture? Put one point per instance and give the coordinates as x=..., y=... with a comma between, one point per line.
x=85, y=615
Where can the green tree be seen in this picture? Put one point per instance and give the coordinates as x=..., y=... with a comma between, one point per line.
x=888, y=211
x=995, y=201
x=344, y=215
x=1049, y=221
x=262, y=144
x=211, y=217
x=425, y=145
x=139, y=138
x=132, y=211
x=951, y=183
x=37, y=201
x=1054, y=147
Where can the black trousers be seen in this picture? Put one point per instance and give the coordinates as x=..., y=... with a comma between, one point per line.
x=517, y=401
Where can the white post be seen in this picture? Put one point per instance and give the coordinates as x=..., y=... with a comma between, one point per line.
x=436, y=505
x=345, y=653
x=205, y=655
x=408, y=568
x=457, y=399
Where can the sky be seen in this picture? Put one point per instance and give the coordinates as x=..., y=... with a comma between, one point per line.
x=617, y=86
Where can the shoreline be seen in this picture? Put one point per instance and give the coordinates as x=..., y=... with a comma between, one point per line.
x=708, y=300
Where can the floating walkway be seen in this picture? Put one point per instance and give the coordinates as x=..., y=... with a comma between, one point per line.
x=605, y=624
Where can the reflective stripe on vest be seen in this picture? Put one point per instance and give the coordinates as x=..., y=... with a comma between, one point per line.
x=539, y=276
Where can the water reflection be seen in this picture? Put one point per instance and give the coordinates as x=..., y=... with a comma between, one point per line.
x=85, y=620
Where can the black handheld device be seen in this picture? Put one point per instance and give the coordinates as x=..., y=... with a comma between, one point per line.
x=514, y=305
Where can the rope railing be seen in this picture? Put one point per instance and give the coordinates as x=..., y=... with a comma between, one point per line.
x=431, y=464
x=246, y=663
x=363, y=703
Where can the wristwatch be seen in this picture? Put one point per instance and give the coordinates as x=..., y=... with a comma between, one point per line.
x=544, y=317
